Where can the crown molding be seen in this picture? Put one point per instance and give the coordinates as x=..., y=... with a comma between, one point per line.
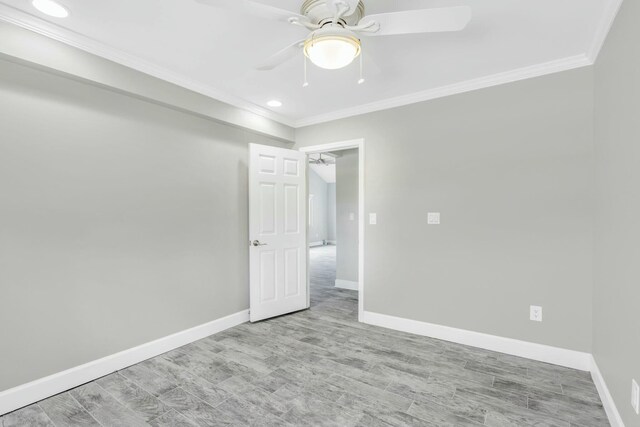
x=604, y=26
x=610, y=12
x=537, y=70
x=33, y=23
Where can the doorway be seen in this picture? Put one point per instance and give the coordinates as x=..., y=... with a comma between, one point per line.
x=335, y=227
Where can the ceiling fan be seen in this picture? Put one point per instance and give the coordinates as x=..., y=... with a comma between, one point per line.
x=336, y=25
x=326, y=161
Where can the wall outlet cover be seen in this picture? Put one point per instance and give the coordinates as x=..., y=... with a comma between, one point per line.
x=433, y=218
x=635, y=396
x=373, y=219
x=535, y=313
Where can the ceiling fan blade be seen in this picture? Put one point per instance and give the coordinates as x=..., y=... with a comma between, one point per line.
x=419, y=21
x=353, y=5
x=334, y=5
x=370, y=65
x=280, y=57
x=258, y=10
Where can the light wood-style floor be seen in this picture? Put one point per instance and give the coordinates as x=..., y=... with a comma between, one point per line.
x=321, y=367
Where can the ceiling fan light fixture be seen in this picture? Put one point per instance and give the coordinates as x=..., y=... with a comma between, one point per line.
x=332, y=48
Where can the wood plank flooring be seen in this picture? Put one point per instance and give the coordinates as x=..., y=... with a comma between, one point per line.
x=321, y=367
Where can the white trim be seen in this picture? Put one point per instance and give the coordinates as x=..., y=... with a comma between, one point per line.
x=313, y=244
x=543, y=353
x=604, y=26
x=540, y=352
x=88, y=44
x=605, y=396
x=332, y=242
x=34, y=391
x=347, y=284
x=333, y=146
x=38, y=25
x=346, y=145
x=537, y=70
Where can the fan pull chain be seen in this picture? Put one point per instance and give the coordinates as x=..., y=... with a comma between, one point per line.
x=305, y=83
x=361, y=80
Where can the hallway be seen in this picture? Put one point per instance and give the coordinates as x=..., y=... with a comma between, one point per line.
x=322, y=267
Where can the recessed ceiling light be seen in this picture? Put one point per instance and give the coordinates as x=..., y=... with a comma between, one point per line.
x=274, y=103
x=51, y=8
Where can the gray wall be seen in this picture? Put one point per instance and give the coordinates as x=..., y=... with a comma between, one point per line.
x=511, y=170
x=120, y=221
x=347, y=204
x=318, y=189
x=617, y=251
x=21, y=45
x=331, y=211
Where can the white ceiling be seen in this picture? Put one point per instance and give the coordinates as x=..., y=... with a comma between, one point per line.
x=213, y=50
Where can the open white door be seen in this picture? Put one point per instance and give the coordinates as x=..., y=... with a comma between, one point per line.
x=277, y=231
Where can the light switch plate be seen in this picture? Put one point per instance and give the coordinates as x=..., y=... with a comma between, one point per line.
x=433, y=218
x=635, y=396
x=352, y=216
x=535, y=313
x=373, y=219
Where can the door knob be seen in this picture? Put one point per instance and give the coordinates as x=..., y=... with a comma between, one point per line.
x=257, y=243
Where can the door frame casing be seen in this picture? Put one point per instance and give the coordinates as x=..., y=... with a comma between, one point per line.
x=339, y=146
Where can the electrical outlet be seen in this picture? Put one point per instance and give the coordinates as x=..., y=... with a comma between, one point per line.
x=635, y=396
x=535, y=313
x=373, y=219
x=433, y=218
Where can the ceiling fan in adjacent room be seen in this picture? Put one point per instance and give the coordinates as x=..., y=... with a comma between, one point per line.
x=336, y=26
x=322, y=161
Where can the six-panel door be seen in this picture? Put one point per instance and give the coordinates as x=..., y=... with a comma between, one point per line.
x=277, y=231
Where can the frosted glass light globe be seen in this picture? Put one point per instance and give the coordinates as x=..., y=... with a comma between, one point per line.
x=332, y=48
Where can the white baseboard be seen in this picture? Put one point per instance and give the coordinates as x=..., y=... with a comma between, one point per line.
x=543, y=353
x=312, y=244
x=347, y=284
x=26, y=394
x=605, y=396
